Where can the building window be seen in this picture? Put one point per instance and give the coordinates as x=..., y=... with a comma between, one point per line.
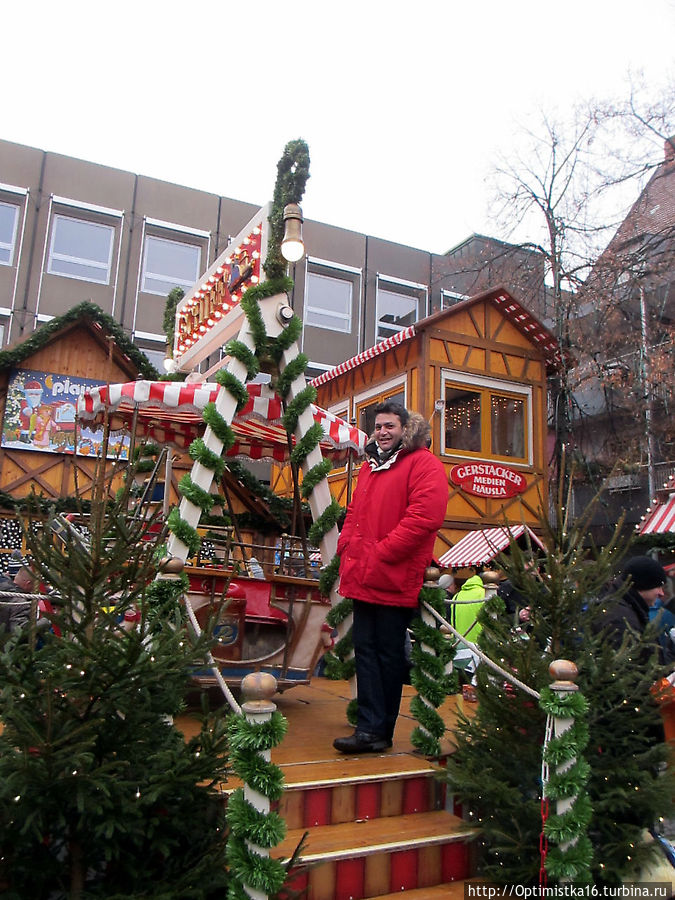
x=169, y=264
x=487, y=418
x=328, y=302
x=399, y=304
x=81, y=249
x=9, y=218
x=451, y=298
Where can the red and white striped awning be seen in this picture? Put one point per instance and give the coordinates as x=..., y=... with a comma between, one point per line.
x=170, y=412
x=660, y=520
x=479, y=547
x=404, y=335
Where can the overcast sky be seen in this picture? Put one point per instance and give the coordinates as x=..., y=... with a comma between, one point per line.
x=404, y=105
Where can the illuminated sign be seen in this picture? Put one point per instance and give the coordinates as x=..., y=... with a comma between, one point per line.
x=209, y=315
x=488, y=480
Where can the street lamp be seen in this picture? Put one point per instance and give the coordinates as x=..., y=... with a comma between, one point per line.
x=292, y=246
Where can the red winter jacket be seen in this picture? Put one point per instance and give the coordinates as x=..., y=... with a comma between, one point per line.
x=388, y=536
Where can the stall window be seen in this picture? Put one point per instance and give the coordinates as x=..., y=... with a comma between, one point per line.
x=169, y=264
x=81, y=249
x=487, y=419
x=9, y=218
x=365, y=410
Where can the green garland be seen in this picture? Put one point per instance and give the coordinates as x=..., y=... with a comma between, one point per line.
x=183, y=531
x=287, y=338
x=574, y=861
x=315, y=476
x=238, y=350
x=292, y=175
x=296, y=406
x=428, y=676
x=327, y=520
x=200, y=453
x=264, y=829
x=83, y=311
x=235, y=387
x=247, y=741
x=195, y=494
x=169, y=321
x=295, y=368
x=340, y=664
x=218, y=426
x=306, y=444
x=249, y=303
x=327, y=579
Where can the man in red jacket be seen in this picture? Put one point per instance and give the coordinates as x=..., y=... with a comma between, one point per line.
x=385, y=545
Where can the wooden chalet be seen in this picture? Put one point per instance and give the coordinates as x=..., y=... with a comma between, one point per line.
x=45, y=449
x=477, y=372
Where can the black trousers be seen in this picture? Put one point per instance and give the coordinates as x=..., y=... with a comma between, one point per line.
x=381, y=667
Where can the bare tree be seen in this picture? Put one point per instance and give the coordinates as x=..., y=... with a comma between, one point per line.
x=569, y=191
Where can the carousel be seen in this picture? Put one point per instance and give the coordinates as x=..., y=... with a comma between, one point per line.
x=264, y=599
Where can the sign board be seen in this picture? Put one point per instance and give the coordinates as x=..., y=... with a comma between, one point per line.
x=210, y=314
x=492, y=480
x=40, y=413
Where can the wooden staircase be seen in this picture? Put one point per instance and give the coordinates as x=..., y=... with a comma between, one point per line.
x=376, y=825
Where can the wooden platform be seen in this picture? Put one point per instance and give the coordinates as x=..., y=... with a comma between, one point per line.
x=374, y=824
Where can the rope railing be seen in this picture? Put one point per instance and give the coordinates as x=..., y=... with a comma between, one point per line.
x=479, y=653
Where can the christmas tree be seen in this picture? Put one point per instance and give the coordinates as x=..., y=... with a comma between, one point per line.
x=100, y=794
x=497, y=768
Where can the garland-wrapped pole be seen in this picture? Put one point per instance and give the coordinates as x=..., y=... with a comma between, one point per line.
x=432, y=675
x=254, y=828
x=569, y=860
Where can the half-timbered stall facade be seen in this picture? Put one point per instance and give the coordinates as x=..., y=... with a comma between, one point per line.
x=477, y=372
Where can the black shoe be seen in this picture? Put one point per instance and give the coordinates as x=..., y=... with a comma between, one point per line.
x=361, y=742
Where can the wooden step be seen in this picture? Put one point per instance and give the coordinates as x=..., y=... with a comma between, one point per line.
x=375, y=857
x=349, y=790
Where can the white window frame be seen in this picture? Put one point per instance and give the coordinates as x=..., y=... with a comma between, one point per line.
x=170, y=282
x=418, y=292
x=319, y=311
x=95, y=264
x=454, y=296
x=325, y=268
x=508, y=387
x=11, y=247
